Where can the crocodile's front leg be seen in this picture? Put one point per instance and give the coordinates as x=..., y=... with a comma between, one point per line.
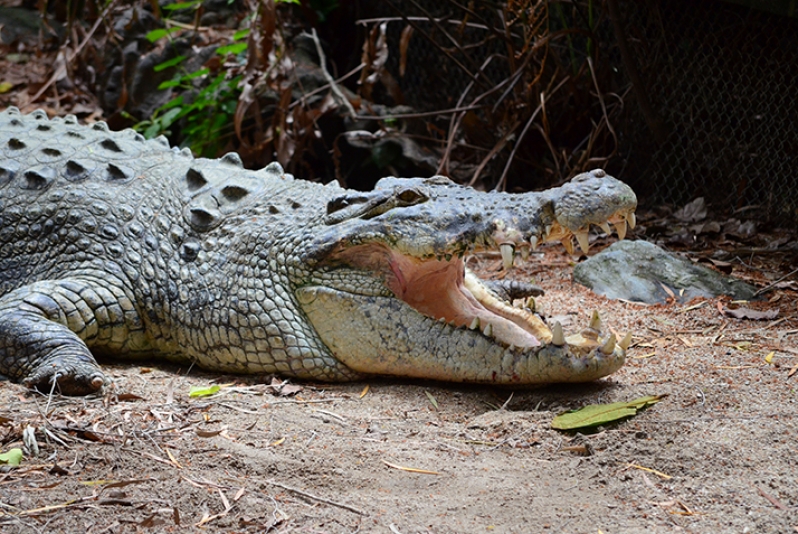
x=45, y=328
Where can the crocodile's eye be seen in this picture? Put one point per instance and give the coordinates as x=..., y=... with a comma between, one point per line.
x=346, y=201
x=410, y=196
x=336, y=204
x=340, y=203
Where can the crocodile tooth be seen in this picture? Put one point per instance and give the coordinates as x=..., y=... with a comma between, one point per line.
x=511, y=347
x=557, y=336
x=606, y=227
x=534, y=242
x=530, y=303
x=595, y=321
x=568, y=243
x=621, y=228
x=609, y=346
x=546, y=231
x=632, y=220
x=524, y=253
x=508, y=255
x=626, y=341
x=581, y=238
x=474, y=324
x=488, y=330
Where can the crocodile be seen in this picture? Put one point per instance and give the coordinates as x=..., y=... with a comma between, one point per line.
x=114, y=245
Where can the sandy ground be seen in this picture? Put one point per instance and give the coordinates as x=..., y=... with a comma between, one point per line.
x=718, y=454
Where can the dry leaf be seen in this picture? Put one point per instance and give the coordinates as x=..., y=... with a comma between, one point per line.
x=692, y=212
x=754, y=315
x=404, y=42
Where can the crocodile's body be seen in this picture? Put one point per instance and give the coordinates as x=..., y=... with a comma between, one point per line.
x=130, y=248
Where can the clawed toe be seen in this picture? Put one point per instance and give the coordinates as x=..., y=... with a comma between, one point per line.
x=67, y=382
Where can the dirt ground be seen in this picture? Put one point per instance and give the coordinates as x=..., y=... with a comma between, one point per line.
x=718, y=454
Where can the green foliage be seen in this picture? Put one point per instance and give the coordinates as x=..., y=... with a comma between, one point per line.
x=204, y=391
x=601, y=414
x=11, y=458
x=323, y=8
x=193, y=4
x=154, y=35
x=204, y=102
x=204, y=115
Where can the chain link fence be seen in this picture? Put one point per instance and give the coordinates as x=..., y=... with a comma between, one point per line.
x=721, y=81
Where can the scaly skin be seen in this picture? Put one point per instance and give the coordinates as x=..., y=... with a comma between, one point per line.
x=116, y=245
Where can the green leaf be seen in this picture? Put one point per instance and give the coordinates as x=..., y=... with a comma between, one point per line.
x=176, y=101
x=197, y=74
x=601, y=414
x=13, y=457
x=229, y=106
x=168, y=63
x=168, y=84
x=169, y=117
x=240, y=34
x=154, y=35
x=183, y=5
x=5, y=87
x=235, y=48
x=152, y=130
x=431, y=399
x=203, y=391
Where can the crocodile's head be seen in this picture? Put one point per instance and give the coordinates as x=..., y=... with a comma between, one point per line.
x=390, y=294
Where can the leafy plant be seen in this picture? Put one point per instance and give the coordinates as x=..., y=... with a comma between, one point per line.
x=204, y=102
x=204, y=113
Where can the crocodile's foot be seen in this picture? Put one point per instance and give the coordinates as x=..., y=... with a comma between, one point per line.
x=73, y=374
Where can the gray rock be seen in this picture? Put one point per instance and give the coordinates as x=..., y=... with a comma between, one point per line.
x=638, y=270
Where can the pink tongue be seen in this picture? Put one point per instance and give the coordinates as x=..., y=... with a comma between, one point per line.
x=435, y=289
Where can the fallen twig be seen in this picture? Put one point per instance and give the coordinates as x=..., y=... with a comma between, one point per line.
x=316, y=498
x=773, y=284
x=410, y=469
x=773, y=500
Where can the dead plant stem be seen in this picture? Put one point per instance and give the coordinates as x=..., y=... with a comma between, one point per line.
x=330, y=80
x=316, y=497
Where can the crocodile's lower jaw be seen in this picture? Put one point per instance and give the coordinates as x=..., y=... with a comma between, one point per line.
x=445, y=291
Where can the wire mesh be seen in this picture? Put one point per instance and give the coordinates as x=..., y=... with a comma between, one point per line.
x=722, y=78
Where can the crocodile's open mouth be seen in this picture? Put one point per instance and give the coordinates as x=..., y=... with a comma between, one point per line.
x=445, y=291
